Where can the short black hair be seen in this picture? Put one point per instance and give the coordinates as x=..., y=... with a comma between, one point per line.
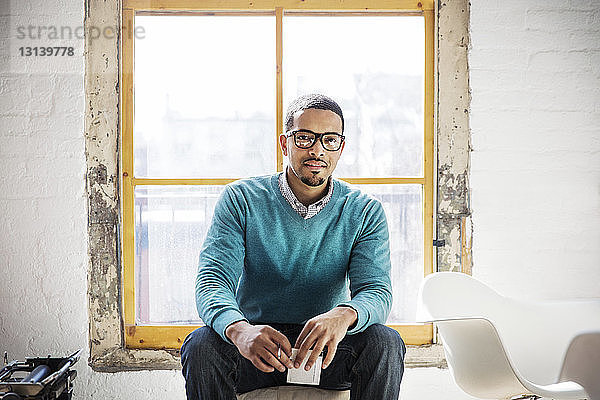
x=313, y=100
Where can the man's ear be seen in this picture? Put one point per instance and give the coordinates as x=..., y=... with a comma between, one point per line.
x=283, y=144
x=342, y=148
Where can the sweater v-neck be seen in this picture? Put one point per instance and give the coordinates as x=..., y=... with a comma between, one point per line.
x=305, y=223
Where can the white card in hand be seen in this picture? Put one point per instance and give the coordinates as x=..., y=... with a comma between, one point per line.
x=299, y=375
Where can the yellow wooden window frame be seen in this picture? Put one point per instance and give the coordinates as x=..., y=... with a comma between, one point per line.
x=171, y=336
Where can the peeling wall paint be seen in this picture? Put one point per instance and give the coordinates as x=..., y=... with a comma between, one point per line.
x=107, y=352
x=101, y=149
x=453, y=135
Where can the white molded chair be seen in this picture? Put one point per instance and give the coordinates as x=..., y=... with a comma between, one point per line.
x=295, y=393
x=498, y=347
x=582, y=363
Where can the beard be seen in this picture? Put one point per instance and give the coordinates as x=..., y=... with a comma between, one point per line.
x=312, y=180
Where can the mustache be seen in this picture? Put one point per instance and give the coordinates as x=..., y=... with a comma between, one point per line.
x=317, y=160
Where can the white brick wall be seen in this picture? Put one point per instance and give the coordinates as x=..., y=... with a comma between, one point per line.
x=535, y=74
x=42, y=199
x=43, y=244
x=535, y=80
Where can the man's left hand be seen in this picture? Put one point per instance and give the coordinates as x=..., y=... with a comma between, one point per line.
x=326, y=329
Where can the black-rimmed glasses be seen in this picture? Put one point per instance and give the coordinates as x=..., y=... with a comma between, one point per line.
x=305, y=139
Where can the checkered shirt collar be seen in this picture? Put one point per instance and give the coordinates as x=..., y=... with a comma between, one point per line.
x=304, y=211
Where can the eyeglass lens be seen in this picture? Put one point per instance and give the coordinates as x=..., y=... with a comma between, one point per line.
x=305, y=140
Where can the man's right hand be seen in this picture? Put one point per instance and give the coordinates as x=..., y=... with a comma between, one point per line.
x=260, y=345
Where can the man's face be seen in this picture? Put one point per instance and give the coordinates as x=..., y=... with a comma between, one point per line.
x=315, y=165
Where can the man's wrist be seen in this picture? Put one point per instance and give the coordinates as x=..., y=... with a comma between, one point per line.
x=232, y=331
x=350, y=315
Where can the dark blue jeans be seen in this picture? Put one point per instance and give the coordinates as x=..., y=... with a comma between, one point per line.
x=370, y=364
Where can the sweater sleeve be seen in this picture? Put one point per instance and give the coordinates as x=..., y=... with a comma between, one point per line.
x=369, y=271
x=220, y=265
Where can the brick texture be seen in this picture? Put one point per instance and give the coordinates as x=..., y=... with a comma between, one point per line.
x=534, y=75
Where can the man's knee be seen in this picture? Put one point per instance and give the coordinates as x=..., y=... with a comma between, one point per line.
x=384, y=339
x=201, y=344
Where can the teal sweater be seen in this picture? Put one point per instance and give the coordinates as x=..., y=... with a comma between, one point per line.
x=262, y=262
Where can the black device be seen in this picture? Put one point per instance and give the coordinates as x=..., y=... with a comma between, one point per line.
x=49, y=378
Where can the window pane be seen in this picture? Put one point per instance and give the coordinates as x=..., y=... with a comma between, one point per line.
x=204, y=96
x=170, y=225
x=374, y=67
x=172, y=221
x=403, y=209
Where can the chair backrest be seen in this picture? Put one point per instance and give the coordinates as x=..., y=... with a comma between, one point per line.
x=477, y=360
x=535, y=335
x=582, y=363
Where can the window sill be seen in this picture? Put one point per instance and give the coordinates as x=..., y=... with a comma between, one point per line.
x=425, y=356
x=119, y=360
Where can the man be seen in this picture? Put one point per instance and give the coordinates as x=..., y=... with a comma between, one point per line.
x=274, y=270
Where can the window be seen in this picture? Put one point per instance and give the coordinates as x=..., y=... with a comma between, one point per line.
x=203, y=97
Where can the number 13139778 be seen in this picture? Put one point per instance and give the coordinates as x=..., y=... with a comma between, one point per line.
x=46, y=51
